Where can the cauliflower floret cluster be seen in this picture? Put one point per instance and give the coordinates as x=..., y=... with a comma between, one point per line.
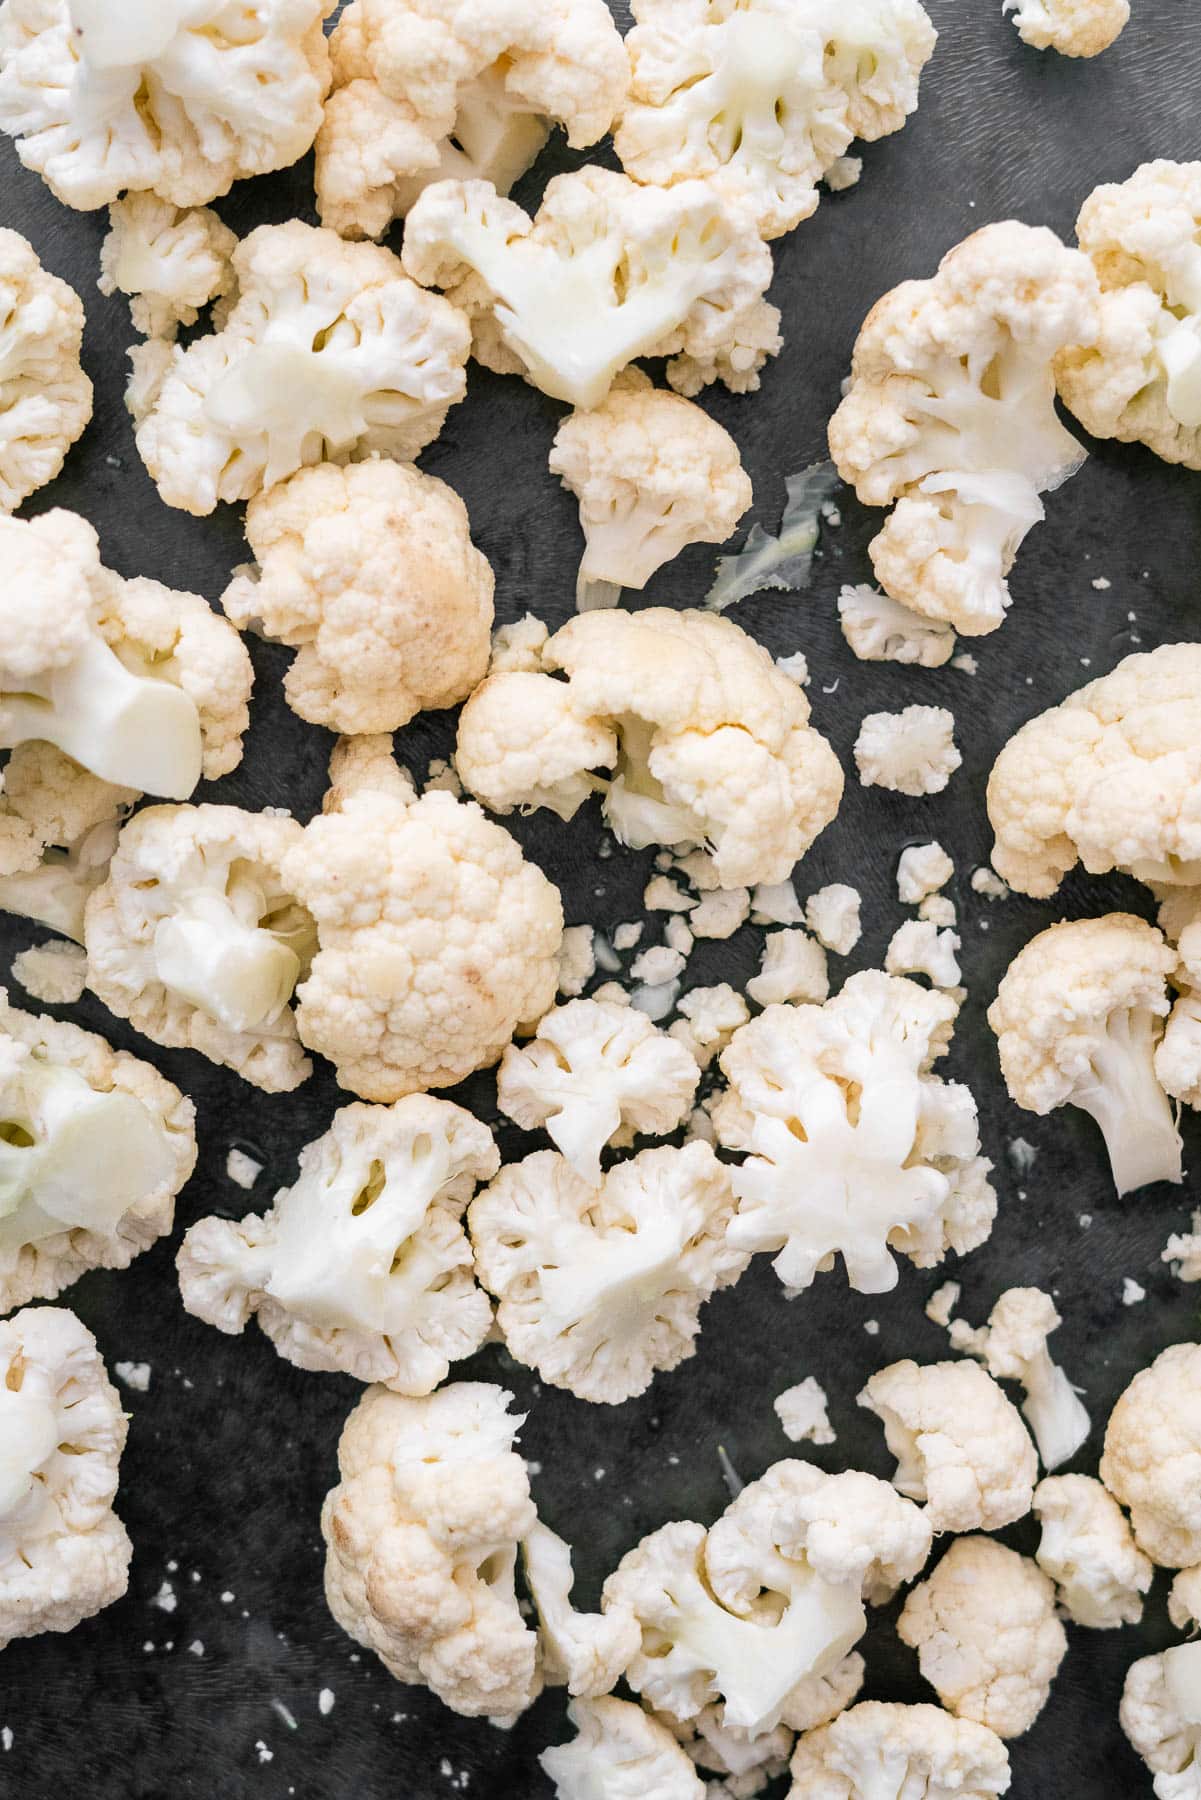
x=1013, y=1347
x=1073, y=27
x=619, y=1751
x=1088, y=1550
x=1161, y=1715
x=45, y=397
x=170, y=260
x=1152, y=1459
x=883, y=1748
x=58, y=829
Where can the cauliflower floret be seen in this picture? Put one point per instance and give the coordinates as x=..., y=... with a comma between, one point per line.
x=746, y=1760
x=370, y=574
x=922, y=870
x=1088, y=1550
x=437, y=939
x=95, y=1146
x=960, y=1444
x=599, y=1287
x=518, y=648
x=596, y=1075
x=619, y=1753
x=852, y=1147
x=577, y=960
x=879, y=629
x=1183, y=1250
x=54, y=973
x=1077, y=1017
x=988, y=1641
x=793, y=967
x=362, y=1265
x=711, y=1017
x=911, y=752
x=45, y=397
x=763, y=98
x=329, y=354
x=1184, y=1600
x=1161, y=1715
x=832, y=915
x=918, y=947
x=802, y=1413
x=64, y=1554
x=170, y=261
x=883, y=1748
x=951, y=416
x=421, y=1539
x=607, y=272
x=1013, y=1347
x=174, y=95
x=1152, y=1458
x=1073, y=27
x=652, y=474
x=707, y=741
x=585, y=1652
x=58, y=829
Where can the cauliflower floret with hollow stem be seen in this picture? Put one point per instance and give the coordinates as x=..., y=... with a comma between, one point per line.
x=918, y=948
x=53, y=973
x=58, y=829
x=1161, y=1715
x=832, y=915
x=911, y=752
x=596, y=1075
x=585, y=1652
x=707, y=742
x=1152, y=1458
x=960, y=1444
x=1073, y=27
x=605, y=273
x=711, y=1017
x=853, y=1148
x=987, y=1637
x=64, y=1554
x=329, y=354
x=1077, y=1017
x=1013, y=1347
x=176, y=96
x=922, y=870
x=653, y=474
x=94, y=1148
x=883, y=1748
x=764, y=98
x=362, y=1265
x=793, y=967
x=421, y=1544
x=45, y=397
x=1088, y=1550
x=168, y=260
x=802, y=1413
x=599, y=1287
x=879, y=629
x=619, y=1753
x=950, y=417
x=370, y=574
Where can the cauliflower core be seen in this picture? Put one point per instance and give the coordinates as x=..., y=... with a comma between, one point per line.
x=45, y=397
x=170, y=261
x=1152, y=1459
x=1073, y=27
x=882, y=1747
x=619, y=1751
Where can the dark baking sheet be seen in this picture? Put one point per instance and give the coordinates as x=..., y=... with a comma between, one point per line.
x=231, y=1450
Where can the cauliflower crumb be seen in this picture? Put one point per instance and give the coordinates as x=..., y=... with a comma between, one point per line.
x=325, y=1702
x=1022, y=1154
x=6, y=1737
x=911, y=752
x=919, y=948
x=165, y=1599
x=936, y=909
x=872, y=1327
x=242, y=1170
x=133, y=1375
x=613, y=993
x=1101, y=583
x=966, y=663
x=796, y=667
x=261, y=1750
x=922, y=870
x=663, y=895
x=801, y=1411
x=720, y=913
x=832, y=915
x=1132, y=1291
x=657, y=966
x=626, y=936
x=55, y=973
x=697, y=868
x=1183, y=1251
x=942, y=1303
x=577, y=961
x=655, y=999
x=793, y=967
x=987, y=882
x=196, y=1647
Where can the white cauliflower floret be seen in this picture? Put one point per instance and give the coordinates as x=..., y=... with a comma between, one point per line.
x=585, y=1652
x=1073, y=27
x=853, y=1148
x=64, y=1554
x=793, y=967
x=918, y=948
x=988, y=1641
x=170, y=261
x=832, y=915
x=711, y=1017
x=951, y=416
x=362, y=1265
x=1013, y=1347
x=763, y=99
x=1161, y=1715
x=922, y=870
x=54, y=973
x=802, y=1413
x=596, y=1075
x=911, y=752
x=577, y=960
x=1077, y=1017
x=95, y=1146
x=370, y=574
x=607, y=272
x=45, y=397
x=883, y=1749
x=518, y=648
x=58, y=829
x=1183, y=1251
x=746, y=1760
x=652, y=474
x=178, y=96
x=329, y=354
x=1178, y=1058
x=421, y=1538
x=879, y=629
x=619, y=1753
x=708, y=743
x=1088, y=1550
x=1184, y=1600
x=599, y=1287
x=960, y=1444
x=1152, y=1459
x=429, y=90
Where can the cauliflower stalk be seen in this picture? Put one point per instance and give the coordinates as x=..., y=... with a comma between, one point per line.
x=45, y=397
x=1013, y=1346
x=882, y=1748
x=585, y=1652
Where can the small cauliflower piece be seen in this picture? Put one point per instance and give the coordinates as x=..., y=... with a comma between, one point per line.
x=618, y=1753
x=45, y=397
x=1013, y=1347
x=1088, y=1550
x=369, y=573
x=793, y=967
x=1161, y=1715
x=596, y=1075
x=802, y=1413
x=600, y=1287
x=922, y=870
x=653, y=474
x=54, y=973
x=911, y=752
x=783, y=563
x=518, y=648
x=587, y=1653
x=605, y=273
x=918, y=947
x=1073, y=27
x=937, y=909
x=59, y=827
x=883, y=1748
x=832, y=915
x=1183, y=1251
x=711, y=1017
x=776, y=903
x=1152, y=1458
x=960, y=1444
x=879, y=629
x=720, y=914
x=950, y=417
x=577, y=960
x=169, y=260
x=987, y=1637
x=329, y=354
x=362, y=1265
x=1077, y=1018
x=1184, y=1600
x=421, y=1541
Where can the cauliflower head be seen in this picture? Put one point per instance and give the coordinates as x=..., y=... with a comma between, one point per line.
x=618, y=1753
x=1161, y=1715
x=1013, y=1347
x=1073, y=27
x=1152, y=1459
x=882, y=1747
x=58, y=829
x=1088, y=1550
x=169, y=260
x=45, y=397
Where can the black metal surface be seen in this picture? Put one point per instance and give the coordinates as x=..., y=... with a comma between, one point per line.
x=231, y=1450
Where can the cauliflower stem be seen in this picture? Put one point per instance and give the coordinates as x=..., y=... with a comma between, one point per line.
x=1126, y=1101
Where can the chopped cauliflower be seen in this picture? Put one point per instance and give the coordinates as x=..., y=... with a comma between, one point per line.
x=1183, y=1251
x=793, y=967
x=911, y=752
x=802, y=1413
x=45, y=397
x=881, y=1748
x=54, y=973
x=169, y=260
x=832, y=915
x=1184, y=1600
x=937, y=909
x=619, y=1752
x=1152, y=1459
x=922, y=870
x=942, y=1303
x=586, y=1653
x=1161, y=1715
x=879, y=629
x=711, y=1016
x=577, y=960
x=747, y=1760
x=918, y=948
x=1088, y=1550
x=776, y=903
x=658, y=965
x=1073, y=27
x=720, y=914
x=1013, y=1347
x=59, y=826
x=518, y=648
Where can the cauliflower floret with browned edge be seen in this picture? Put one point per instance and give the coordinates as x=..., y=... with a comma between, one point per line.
x=1073, y=27
x=59, y=827
x=1161, y=1715
x=618, y=1753
x=883, y=1747
x=1013, y=1347
x=1088, y=1550
x=1152, y=1458
x=169, y=260
x=45, y=397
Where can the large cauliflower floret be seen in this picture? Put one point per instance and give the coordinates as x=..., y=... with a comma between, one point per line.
x=586, y=1653
x=1088, y=1550
x=169, y=260
x=607, y=272
x=94, y=1147
x=1161, y=1715
x=432, y=90
x=330, y=354
x=181, y=96
x=422, y=1534
x=772, y=1595
x=599, y=1287
x=1152, y=1459
x=763, y=97
x=653, y=474
x=64, y=1554
x=951, y=415
x=1073, y=27
x=619, y=1753
x=913, y=1752
x=438, y=941
x=853, y=1148
x=987, y=1637
x=1013, y=1347
x=45, y=397
x=58, y=829
x=960, y=1444
x=362, y=1265
x=1078, y=1015
x=709, y=743
x=370, y=574
x=197, y=941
